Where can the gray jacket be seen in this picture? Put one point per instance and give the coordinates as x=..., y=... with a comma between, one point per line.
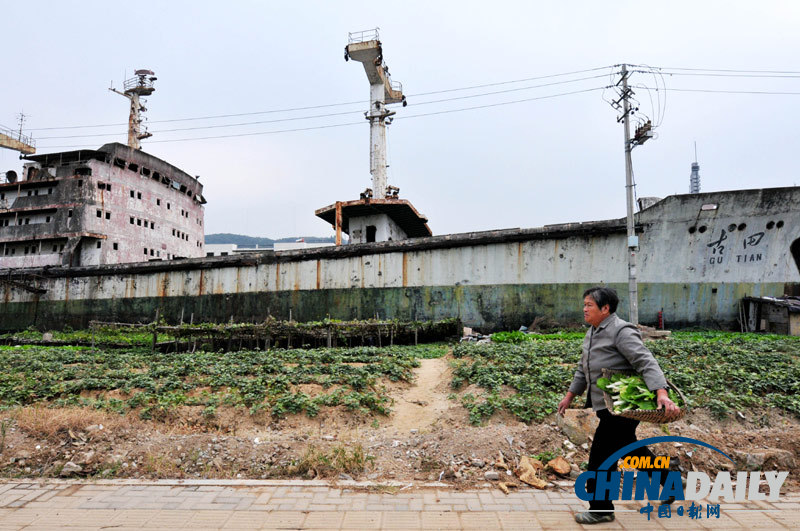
x=614, y=344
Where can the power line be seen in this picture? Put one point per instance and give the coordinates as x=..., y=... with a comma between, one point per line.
x=729, y=70
x=717, y=74
x=355, y=123
x=360, y=102
x=720, y=91
x=261, y=122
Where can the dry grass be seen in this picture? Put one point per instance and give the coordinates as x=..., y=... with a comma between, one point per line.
x=350, y=459
x=51, y=423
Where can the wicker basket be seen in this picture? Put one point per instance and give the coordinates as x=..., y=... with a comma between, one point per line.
x=654, y=416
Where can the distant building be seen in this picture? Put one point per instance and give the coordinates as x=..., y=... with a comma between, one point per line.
x=92, y=207
x=227, y=249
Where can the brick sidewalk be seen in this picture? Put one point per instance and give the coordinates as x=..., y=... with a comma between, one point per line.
x=313, y=505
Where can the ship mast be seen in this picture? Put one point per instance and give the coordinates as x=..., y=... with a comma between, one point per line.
x=135, y=87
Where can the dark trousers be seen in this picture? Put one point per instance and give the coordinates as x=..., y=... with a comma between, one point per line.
x=613, y=433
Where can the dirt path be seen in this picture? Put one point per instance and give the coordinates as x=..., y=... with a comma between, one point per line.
x=422, y=405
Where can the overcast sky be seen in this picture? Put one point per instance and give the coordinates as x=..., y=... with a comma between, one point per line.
x=525, y=164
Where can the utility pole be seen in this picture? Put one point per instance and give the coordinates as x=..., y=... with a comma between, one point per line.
x=633, y=240
x=642, y=134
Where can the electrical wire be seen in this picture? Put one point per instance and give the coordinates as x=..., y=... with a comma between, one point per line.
x=261, y=122
x=360, y=102
x=258, y=133
x=721, y=91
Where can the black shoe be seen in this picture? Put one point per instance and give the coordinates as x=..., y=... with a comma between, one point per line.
x=591, y=517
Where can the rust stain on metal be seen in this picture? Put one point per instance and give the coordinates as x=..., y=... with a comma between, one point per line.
x=163, y=285
x=338, y=223
x=319, y=273
x=202, y=282
x=238, y=279
x=520, y=260
x=278, y=276
x=361, y=264
x=297, y=276
x=405, y=269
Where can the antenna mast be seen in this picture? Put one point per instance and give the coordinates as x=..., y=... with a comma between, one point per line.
x=694, y=179
x=135, y=87
x=365, y=47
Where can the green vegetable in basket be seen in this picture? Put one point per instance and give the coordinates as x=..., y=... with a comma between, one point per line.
x=631, y=393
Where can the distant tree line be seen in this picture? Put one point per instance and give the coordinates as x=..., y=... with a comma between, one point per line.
x=251, y=241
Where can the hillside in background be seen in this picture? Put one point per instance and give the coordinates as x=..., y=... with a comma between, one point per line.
x=251, y=241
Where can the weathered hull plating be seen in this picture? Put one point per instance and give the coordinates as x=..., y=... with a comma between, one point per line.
x=696, y=262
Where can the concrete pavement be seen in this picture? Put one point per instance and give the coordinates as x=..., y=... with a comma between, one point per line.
x=220, y=504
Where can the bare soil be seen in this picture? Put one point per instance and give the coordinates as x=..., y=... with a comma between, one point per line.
x=427, y=437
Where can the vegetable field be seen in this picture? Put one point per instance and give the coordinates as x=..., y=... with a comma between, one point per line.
x=154, y=383
x=724, y=372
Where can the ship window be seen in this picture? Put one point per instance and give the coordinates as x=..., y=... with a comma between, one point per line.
x=152, y=225
x=101, y=186
x=69, y=213
x=55, y=248
x=138, y=195
x=80, y=182
x=145, y=251
x=29, y=193
x=47, y=219
x=2, y=195
x=168, y=206
x=131, y=220
x=139, y=222
x=702, y=229
x=742, y=226
x=119, y=162
x=115, y=245
x=779, y=224
x=145, y=171
x=770, y=225
x=371, y=230
x=132, y=194
x=27, y=220
x=156, y=176
x=99, y=213
x=108, y=215
x=36, y=192
x=183, y=188
x=158, y=202
x=795, y=249
x=83, y=171
x=133, y=167
x=209, y=254
x=98, y=245
x=151, y=252
x=49, y=191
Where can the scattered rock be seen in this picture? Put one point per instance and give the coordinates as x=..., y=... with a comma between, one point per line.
x=47, y=336
x=70, y=468
x=491, y=475
x=559, y=465
x=94, y=427
x=480, y=463
x=345, y=477
x=771, y=457
x=328, y=437
x=528, y=472
x=578, y=424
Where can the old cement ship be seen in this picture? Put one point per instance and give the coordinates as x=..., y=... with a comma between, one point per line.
x=700, y=253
